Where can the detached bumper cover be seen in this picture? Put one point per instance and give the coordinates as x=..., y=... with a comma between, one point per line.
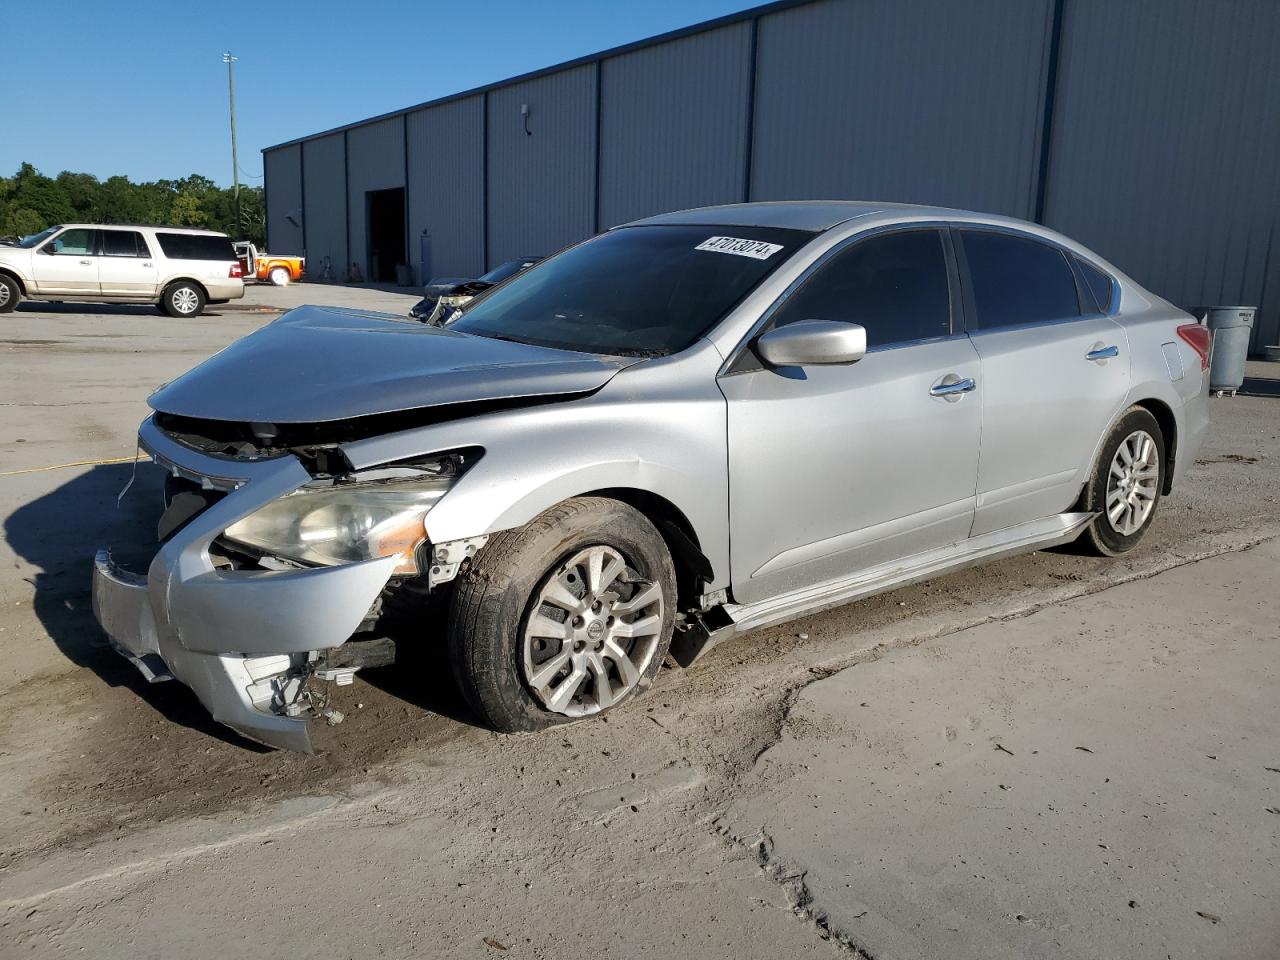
x=225, y=633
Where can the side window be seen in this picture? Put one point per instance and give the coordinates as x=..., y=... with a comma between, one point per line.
x=73, y=243
x=196, y=246
x=894, y=285
x=1017, y=280
x=1100, y=285
x=123, y=243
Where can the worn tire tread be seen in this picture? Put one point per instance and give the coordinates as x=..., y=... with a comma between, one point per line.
x=482, y=590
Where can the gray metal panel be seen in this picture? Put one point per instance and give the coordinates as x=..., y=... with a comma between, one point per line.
x=542, y=185
x=673, y=124
x=929, y=101
x=1166, y=146
x=446, y=187
x=282, y=171
x=375, y=153
x=324, y=173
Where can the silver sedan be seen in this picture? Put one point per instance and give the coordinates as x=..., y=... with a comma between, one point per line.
x=686, y=427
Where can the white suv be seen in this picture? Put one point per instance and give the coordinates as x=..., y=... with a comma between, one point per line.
x=176, y=268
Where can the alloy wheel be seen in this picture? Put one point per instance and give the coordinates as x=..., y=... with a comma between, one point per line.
x=592, y=632
x=185, y=300
x=1133, y=483
x=4, y=294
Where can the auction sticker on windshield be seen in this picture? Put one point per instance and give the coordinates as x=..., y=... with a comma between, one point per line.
x=755, y=249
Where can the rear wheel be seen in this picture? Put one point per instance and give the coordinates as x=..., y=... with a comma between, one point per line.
x=10, y=293
x=1126, y=486
x=564, y=618
x=279, y=276
x=182, y=298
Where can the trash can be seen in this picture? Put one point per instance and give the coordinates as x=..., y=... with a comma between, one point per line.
x=1231, y=327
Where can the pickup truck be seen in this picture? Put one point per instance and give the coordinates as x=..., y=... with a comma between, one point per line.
x=269, y=267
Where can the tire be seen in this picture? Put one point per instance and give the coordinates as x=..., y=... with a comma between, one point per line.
x=183, y=299
x=10, y=293
x=1108, y=536
x=498, y=608
x=279, y=276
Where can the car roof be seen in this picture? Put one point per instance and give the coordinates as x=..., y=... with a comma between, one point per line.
x=813, y=215
x=149, y=226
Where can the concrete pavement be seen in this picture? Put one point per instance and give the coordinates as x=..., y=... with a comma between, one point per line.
x=131, y=825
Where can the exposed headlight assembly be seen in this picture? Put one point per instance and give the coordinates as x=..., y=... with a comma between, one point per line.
x=378, y=513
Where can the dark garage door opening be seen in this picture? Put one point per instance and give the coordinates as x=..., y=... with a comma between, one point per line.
x=386, y=233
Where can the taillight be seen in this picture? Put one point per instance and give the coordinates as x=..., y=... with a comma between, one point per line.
x=1199, y=339
x=236, y=272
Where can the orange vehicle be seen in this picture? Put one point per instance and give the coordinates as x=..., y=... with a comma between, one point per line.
x=269, y=267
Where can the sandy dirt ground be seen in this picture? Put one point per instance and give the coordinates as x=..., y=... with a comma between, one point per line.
x=749, y=806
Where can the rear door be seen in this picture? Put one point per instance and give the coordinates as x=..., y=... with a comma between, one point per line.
x=127, y=267
x=68, y=264
x=1055, y=370
x=833, y=469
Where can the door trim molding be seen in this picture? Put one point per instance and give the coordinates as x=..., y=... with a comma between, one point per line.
x=866, y=536
x=1032, y=535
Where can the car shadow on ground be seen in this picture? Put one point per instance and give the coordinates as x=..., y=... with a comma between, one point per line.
x=123, y=309
x=423, y=678
x=59, y=533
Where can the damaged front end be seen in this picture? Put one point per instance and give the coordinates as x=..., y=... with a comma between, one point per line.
x=273, y=569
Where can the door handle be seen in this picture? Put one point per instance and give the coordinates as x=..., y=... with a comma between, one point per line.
x=1100, y=353
x=952, y=387
x=86, y=263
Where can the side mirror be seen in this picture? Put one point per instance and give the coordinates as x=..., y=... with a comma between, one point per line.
x=49, y=249
x=813, y=342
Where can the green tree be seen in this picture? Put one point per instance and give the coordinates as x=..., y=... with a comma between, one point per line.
x=20, y=222
x=30, y=202
x=187, y=210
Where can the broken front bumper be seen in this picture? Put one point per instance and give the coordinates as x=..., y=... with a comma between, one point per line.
x=240, y=639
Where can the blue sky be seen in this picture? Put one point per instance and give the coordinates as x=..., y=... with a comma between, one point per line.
x=139, y=88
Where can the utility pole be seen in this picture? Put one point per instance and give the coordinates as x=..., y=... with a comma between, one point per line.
x=228, y=59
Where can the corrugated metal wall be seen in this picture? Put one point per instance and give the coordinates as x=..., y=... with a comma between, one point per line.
x=282, y=175
x=927, y=101
x=1166, y=146
x=1162, y=117
x=673, y=125
x=325, y=214
x=542, y=183
x=446, y=187
x=375, y=158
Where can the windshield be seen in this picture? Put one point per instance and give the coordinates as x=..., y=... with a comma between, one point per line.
x=635, y=291
x=36, y=239
x=504, y=270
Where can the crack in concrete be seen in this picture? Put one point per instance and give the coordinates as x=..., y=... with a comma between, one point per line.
x=792, y=878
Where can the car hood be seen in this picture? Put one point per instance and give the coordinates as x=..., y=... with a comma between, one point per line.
x=316, y=364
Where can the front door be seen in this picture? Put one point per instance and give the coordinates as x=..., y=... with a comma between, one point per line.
x=1055, y=373
x=127, y=268
x=834, y=469
x=68, y=264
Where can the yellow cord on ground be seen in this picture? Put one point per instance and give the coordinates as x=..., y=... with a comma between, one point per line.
x=62, y=466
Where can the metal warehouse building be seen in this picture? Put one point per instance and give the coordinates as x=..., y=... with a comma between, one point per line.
x=1146, y=129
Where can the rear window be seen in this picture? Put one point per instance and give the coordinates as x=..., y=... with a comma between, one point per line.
x=194, y=246
x=1017, y=280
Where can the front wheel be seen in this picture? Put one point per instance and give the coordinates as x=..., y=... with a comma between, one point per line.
x=182, y=298
x=10, y=293
x=279, y=276
x=1126, y=484
x=564, y=618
